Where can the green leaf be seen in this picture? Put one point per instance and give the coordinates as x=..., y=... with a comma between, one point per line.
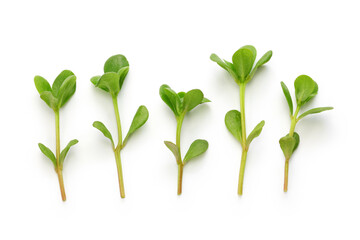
x=140, y=118
x=101, y=127
x=287, y=145
x=288, y=97
x=41, y=84
x=66, y=150
x=205, y=100
x=122, y=73
x=255, y=133
x=67, y=89
x=243, y=61
x=115, y=63
x=110, y=83
x=47, y=152
x=232, y=71
x=264, y=59
x=197, y=148
x=218, y=60
x=59, y=81
x=170, y=98
x=175, y=150
x=305, y=89
x=192, y=98
x=50, y=100
x=95, y=79
x=297, y=140
x=233, y=123
x=314, y=110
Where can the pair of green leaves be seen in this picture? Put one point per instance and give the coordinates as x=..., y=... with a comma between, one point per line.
x=305, y=89
x=181, y=103
x=47, y=152
x=140, y=118
x=197, y=148
x=116, y=69
x=233, y=124
x=289, y=144
x=61, y=91
x=242, y=68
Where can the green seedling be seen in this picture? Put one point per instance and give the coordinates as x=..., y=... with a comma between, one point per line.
x=242, y=70
x=181, y=103
x=305, y=90
x=115, y=70
x=55, y=97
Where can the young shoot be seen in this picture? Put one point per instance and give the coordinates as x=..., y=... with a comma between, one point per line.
x=305, y=90
x=242, y=70
x=115, y=70
x=181, y=103
x=55, y=97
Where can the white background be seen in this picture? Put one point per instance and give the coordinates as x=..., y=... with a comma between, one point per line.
x=170, y=42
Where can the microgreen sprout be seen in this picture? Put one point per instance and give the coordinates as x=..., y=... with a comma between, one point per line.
x=242, y=70
x=305, y=89
x=115, y=70
x=181, y=103
x=55, y=97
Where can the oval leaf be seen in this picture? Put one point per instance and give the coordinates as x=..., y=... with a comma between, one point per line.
x=243, y=61
x=175, y=150
x=42, y=84
x=115, y=63
x=59, y=81
x=122, y=73
x=233, y=123
x=264, y=59
x=110, y=83
x=297, y=140
x=67, y=89
x=50, y=100
x=305, y=89
x=140, y=118
x=255, y=133
x=170, y=98
x=47, y=152
x=197, y=148
x=287, y=145
x=315, y=110
x=288, y=97
x=192, y=98
x=101, y=127
x=66, y=150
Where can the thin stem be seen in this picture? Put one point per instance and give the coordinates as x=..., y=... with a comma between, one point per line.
x=180, y=176
x=180, y=120
x=286, y=175
x=120, y=175
x=118, y=148
x=242, y=172
x=294, y=121
x=117, y=115
x=58, y=165
x=242, y=112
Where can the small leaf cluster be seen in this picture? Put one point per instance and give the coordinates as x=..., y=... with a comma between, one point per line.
x=60, y=92
x=242, y=68
x=182, y=103
x=233, y=124
x=47, y=152
x=116, y=69
x=305, y=90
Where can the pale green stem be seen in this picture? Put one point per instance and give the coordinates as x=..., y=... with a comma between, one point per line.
x=294, y=121
x=58, y=164
x=286, y=175
x=242, y=112
x=118, y=148
x=242, y=172
x=180, y=120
